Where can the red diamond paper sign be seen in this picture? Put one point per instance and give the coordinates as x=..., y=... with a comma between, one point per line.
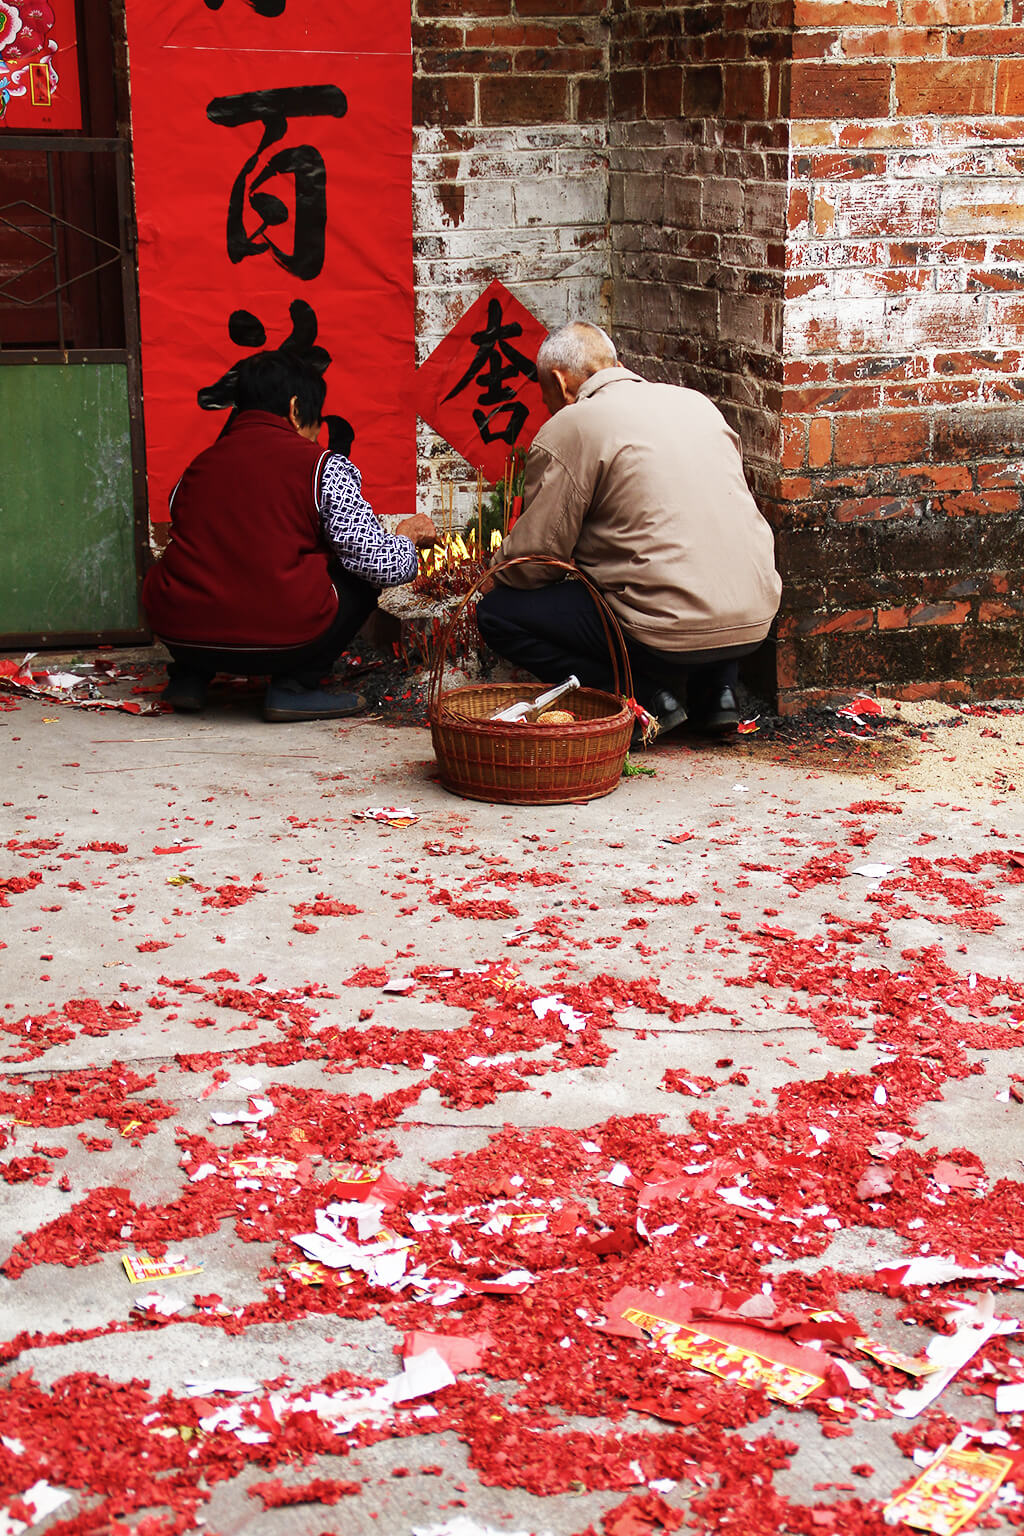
x=479, y=388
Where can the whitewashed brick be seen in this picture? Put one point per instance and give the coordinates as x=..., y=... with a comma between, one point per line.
x=561, y=201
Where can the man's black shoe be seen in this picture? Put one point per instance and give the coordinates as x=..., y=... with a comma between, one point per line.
x=285, y=700
x=721, y=714
x=667, y=710
x=185, y=695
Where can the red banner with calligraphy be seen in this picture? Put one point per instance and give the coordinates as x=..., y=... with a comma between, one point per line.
x=273, y=164
x=479, y=387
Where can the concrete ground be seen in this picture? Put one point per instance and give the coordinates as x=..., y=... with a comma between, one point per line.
x=170, y=849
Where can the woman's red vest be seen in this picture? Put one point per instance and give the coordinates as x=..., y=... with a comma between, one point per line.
x=247, y=564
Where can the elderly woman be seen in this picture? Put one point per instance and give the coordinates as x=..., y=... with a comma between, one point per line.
x=276, y=559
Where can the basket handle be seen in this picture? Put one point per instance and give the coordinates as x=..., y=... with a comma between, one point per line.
x=609, y=623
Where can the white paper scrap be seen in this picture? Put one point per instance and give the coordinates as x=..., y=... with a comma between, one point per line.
x=929, y=1269
x=857, y=1380
x=258, y=1110
x=387, y=813
x=975, y=1325
x=158, y=1303
x=401, y=984
x=387, y=1268
x=872, y=871
x=618, y=1175
x=324, y=1250
x=235, y=1385
x=42, y=1498
x=223, y=1418
x=423, y=1374
x=464, y=1525
x=1010, y=1398
x=572, y=1020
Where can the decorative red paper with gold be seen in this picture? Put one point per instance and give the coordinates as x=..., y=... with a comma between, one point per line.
x=478, y=388
x=273, y=175
x=39, y=85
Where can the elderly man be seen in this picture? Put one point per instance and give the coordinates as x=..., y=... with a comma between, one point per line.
x=276, y=559
x=641, y=486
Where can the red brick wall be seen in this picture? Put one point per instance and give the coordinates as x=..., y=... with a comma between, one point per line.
x=812, y=210
x=899, y=506
x=698, y=160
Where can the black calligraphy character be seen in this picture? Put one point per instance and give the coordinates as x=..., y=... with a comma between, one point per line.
x=303, y=162
x=248, y=330
x=261, y=7
x=496, y=362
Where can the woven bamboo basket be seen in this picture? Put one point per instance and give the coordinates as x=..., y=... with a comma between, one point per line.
x=484, y=759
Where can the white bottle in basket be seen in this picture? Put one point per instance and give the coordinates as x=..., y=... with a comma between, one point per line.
x=529, y=709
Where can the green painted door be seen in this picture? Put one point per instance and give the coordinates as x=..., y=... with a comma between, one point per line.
x=67, y=523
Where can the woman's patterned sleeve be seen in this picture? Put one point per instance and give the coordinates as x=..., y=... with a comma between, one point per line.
x=359, y=541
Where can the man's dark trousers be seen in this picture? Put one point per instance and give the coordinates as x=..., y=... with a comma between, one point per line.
x=556, y=631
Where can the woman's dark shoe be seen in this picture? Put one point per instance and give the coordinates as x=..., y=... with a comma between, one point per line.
x=185, y=695
x=286, y=700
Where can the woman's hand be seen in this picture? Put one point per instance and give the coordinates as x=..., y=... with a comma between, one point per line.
x=420, y=528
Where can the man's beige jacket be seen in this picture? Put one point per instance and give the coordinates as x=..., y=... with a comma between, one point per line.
x=642, y=486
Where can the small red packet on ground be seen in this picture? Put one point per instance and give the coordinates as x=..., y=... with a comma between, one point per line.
x=353, y=1181
x=956, y=1487
x=736, y=1351
x=727, y=1359
x=261, y=1167
x=140, y=1266
x=363, y=1181
x=911, y=1365
x=392, y=815
x=309, y=1272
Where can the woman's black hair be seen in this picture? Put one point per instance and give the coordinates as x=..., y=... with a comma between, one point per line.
x=269, y=381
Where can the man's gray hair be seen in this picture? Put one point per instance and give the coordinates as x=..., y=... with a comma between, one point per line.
x=578, y=349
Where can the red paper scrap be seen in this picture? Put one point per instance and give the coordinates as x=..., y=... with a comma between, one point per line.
x=322, y=1490
x=459, y=1351
x=955, y=1177
x=860, y=707
x=642, y=1514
